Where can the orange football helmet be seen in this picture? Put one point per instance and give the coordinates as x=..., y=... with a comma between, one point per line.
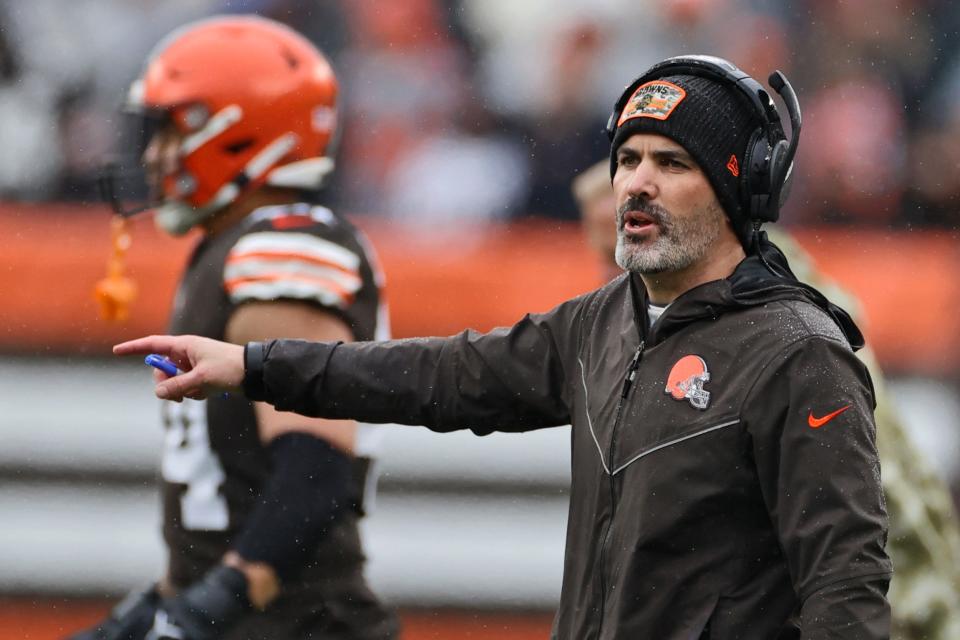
x=255, y=104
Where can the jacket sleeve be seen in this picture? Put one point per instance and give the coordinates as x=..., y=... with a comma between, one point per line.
x=511, y=379
x=810, y=417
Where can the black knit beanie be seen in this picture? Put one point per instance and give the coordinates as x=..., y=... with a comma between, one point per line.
x=709, y=119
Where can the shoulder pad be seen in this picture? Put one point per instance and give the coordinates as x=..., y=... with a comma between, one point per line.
x=293, y=216
x=270, y=265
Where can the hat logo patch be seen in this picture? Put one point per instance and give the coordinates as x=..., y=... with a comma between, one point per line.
x=655, y=99
x=686, y=380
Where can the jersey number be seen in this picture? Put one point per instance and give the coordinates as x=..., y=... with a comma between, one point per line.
x=189, y=460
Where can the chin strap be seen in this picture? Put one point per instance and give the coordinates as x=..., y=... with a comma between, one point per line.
x=116, y=292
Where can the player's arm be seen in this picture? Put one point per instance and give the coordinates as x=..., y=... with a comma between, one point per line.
x=312, y=477
x=260, y=321
x=310, y=485
x=810, y=416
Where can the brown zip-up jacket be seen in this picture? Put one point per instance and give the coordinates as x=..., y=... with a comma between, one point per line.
x=725, y=479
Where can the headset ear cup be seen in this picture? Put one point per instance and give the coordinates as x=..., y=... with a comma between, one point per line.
x=756, y=180
x=781, y=178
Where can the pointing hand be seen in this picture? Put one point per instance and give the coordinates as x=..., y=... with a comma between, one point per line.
x=207, y=365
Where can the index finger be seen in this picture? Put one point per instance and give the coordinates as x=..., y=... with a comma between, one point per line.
x=175, y=348
x=164, y=345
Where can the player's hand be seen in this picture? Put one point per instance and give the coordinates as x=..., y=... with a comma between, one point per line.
x=207, y=365
x=131, y=619
x=204, y=611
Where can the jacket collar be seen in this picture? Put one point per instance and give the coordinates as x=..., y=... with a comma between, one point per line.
x=760, y=278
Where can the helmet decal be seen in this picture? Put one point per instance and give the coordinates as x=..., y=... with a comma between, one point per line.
x=686, y=380
x=213, y=127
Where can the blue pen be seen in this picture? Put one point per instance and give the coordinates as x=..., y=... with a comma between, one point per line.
x=158, y=361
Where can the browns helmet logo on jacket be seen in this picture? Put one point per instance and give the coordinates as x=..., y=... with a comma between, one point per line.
x=686, y=381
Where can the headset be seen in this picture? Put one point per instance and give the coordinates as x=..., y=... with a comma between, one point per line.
x=768, y=166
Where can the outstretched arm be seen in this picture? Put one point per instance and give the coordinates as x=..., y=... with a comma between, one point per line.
x=509, y=379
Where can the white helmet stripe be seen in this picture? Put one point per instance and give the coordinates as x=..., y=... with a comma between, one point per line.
x=217, y=124
x=270, y=155
x=227, y=194
x=259, y=163
x=306, y=174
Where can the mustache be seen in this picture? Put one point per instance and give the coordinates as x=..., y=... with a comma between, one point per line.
x=658, y=214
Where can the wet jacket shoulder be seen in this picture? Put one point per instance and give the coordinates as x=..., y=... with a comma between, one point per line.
x=924, y=543
x=809, y=416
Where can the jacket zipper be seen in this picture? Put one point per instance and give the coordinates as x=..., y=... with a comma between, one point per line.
x=627, y=384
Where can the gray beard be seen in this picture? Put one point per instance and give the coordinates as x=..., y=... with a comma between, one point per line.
x=680, y=243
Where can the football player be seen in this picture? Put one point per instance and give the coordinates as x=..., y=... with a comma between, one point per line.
x=263, y=540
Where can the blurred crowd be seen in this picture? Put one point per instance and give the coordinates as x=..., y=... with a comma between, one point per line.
x=462, y=111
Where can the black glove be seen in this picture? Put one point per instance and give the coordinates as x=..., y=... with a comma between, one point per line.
x=131, y=619
x=205, y=610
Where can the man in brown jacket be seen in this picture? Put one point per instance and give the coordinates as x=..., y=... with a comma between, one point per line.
x=725, y=479
x=924, y=540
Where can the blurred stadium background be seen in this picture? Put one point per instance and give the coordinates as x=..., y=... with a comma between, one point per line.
x=464, y=121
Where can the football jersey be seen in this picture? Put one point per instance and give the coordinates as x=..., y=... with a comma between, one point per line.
x=214, y=464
